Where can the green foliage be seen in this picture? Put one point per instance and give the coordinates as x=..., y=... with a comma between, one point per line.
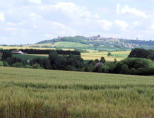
x=102, y=60
x=25, y=57
x=5, y=63
x=124, y=69
x=109, y=54
x=142, y=53
x=1, y=63
x=135, y=66
x=36, y=66
x=18, y=64
x=6, y=54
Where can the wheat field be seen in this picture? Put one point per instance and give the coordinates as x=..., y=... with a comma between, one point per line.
x=30, y=93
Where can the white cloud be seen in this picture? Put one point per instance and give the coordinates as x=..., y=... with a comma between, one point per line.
x=152, y=26
x=136, y=23
x=2, y=17
x=122, y=24
x=74, y=11
x=105, y=24
x=36, y=1
x=132, y=11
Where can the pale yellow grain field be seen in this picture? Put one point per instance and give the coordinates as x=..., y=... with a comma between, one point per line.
x=92, y=55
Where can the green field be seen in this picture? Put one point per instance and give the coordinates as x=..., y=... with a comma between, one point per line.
x=70, y=45
x=30, y=93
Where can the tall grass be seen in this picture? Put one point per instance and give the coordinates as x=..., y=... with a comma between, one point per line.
x=28, y=93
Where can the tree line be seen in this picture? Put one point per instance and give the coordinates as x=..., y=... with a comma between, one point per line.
x=139, y=62
x=37, y=51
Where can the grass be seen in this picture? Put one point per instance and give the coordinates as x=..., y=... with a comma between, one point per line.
x=28, y=93
x=70, y=45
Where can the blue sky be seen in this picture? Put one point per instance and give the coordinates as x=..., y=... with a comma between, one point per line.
x=30, y=21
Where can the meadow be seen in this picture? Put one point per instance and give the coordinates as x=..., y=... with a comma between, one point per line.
x=32, y=93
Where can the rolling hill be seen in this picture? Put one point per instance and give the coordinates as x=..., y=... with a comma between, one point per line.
x=97, y=43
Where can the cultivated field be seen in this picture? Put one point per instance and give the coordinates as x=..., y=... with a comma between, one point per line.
x=88, y=55
x=118, y=55
x=28, y=93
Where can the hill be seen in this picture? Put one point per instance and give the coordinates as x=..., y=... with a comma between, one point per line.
x=97, y=43
x=28, y=93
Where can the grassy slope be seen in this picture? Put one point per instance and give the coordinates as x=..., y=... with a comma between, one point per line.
x=70, y=45
x=60, y=94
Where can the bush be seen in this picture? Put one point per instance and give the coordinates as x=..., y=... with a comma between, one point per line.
x=1, y=63
x=18, y=64
x=108, y=67
x=124, y=69
x=134, y=66
x=28, y=66
x=36, y=66
x=139, y=53
x=5, y=63
x=142, y=53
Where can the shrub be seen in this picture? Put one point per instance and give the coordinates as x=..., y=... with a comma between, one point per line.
x=124, y=69
x=5, y=63
x=28, y=66
x=1, y=63
x=108, y=67
x=139, y=53
x=142, y=53
x=134, y=66
x=18, y=64
x=36, y=66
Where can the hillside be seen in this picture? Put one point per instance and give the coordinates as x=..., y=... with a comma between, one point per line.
x=28, y=93
x=97, y=43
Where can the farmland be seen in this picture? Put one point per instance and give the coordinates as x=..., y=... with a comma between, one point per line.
x=90, y=55
x=93, y=54
x=87, y=55
x=30, y=93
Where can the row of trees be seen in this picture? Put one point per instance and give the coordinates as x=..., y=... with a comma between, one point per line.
x=37, y=51
x=134, y=64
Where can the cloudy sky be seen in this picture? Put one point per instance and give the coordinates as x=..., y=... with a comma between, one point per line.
x=30, y=21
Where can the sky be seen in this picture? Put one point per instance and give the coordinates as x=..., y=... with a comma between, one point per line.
x=31, y=21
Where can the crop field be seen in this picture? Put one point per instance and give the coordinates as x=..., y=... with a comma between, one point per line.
x=30, y=93
x=89, y=55
x=92, y=55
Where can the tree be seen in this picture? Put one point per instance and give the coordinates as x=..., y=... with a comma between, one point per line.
x=6, y=54
x=102, y=60
x=109, y=54
x=115, y=60
x=139, y=53
x=124, y=69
